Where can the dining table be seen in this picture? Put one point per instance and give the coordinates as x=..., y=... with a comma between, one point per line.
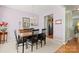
x=25, y=34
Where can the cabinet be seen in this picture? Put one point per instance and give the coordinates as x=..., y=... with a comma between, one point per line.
x=3, y=36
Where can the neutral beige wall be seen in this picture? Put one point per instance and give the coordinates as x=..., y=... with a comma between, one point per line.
x=58, y=14
x=69, y=31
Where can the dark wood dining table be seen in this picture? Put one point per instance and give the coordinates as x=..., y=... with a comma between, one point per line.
x=23, y=34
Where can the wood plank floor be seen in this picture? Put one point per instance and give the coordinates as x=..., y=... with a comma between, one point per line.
x=71, y=47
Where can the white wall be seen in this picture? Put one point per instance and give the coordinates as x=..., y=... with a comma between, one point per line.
x=58, y=12
x=69, y=26
x=59, y=29
x=13, y=17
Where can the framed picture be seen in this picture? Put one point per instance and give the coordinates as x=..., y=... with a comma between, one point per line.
x=26, y=22
x=59, y=21
x=34, y=21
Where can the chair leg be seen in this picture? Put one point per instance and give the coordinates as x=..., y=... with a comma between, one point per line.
x=41, y=43
x=26, y=45
x=36, y=45
x=44, y=41
x=32, y=47
x=17, y=47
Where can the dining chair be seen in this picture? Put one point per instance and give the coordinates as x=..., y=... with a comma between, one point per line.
x=19, y=40
x=42, y=37
x=33, y=39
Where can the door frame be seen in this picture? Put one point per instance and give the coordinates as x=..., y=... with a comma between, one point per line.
x=46, y=25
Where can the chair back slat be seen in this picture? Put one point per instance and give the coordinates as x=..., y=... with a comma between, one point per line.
x=44, y=31
x=35, y=31
x=16, y=37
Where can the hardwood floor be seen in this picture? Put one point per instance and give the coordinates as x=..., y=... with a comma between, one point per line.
x=71, y=47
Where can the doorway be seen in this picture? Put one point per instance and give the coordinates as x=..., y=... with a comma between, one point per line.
x=48, y=24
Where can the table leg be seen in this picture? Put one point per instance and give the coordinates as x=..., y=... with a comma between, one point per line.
x=23, y=46
x=0, y=39
x=3, y=37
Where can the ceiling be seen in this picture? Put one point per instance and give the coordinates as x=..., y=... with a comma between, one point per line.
x=31, y=8
x=38, y=8
x=71, y=7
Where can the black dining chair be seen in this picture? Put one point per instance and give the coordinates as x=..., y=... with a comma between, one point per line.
x=33, y=39
x=42, y=37
x=19, y=40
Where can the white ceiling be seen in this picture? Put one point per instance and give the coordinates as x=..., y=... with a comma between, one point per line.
x=37, y=9
x=71, y=7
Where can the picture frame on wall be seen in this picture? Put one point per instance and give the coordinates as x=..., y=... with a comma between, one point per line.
x=59, y=21
x=26, y=22
x=34, y=21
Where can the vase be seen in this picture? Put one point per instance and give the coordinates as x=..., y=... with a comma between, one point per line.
x=3, y=29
